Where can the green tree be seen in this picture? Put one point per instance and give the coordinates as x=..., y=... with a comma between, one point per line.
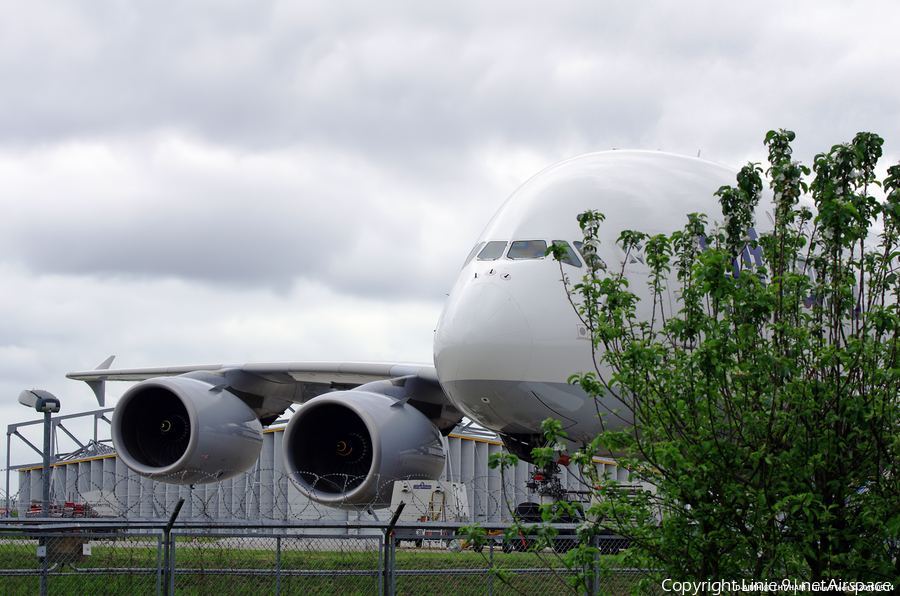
x=766, y=411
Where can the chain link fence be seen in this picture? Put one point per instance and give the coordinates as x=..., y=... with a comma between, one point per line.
x=257, y=533
x=97, y=557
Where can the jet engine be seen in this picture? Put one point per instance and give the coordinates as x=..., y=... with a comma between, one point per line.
x=345, y=449
x=185, y=430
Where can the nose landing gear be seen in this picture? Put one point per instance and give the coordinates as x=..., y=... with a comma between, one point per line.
x=545, y=481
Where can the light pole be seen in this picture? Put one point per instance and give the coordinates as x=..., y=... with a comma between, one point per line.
x=46, y=402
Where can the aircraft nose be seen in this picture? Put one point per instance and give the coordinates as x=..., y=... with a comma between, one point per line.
x=483, y=335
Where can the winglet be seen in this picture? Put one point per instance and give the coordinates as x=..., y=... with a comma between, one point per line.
x=99, y=385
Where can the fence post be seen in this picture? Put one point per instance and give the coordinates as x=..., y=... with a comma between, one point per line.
x=392, y=570
x=160, y=565
x=491, y=568
x=278, y=566
x=596, y=566
x=388, y=578
x=169, y=560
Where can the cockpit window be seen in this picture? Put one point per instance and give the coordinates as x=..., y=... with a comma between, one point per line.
x=492, y=251
x=473, y=252
x=580, y=246
x=571, y=258
x=527, y=249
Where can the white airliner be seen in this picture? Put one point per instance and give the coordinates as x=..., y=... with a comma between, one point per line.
x=506, y=343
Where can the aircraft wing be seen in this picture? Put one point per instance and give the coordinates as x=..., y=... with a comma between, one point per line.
x=269, y=388
x=342, y=373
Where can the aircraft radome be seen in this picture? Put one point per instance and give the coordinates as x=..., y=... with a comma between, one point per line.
x=504, y=346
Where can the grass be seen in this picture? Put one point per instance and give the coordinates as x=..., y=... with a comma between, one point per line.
x=129, y=566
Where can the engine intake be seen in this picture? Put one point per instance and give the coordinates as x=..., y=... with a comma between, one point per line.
x=345, y=449
x=185, y=430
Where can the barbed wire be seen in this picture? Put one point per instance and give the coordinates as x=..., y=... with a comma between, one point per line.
x=263, y=494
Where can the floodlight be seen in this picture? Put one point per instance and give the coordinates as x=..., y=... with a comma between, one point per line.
x=40, y=400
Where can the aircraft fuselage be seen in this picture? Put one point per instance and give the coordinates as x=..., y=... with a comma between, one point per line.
x=508, y=338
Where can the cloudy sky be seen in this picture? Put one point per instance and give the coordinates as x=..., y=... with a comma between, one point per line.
x=227, y=181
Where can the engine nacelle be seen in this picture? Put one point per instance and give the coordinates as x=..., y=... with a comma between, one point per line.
x=185, y=430
x=345, y=449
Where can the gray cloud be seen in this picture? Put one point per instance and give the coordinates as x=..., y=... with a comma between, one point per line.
x=384, y=110
x=179, y=209
x=215, y=181
x=393, y=80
